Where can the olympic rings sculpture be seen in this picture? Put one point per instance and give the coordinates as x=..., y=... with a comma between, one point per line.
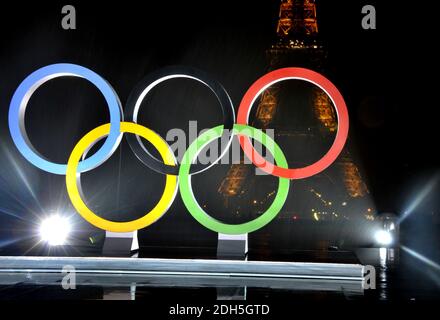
x=178, y=176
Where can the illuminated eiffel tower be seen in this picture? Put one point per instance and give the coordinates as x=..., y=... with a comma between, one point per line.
x=337, y=193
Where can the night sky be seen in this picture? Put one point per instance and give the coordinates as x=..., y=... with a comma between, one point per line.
x=387, y=77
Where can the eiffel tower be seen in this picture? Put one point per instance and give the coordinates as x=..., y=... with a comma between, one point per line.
x=338, y=194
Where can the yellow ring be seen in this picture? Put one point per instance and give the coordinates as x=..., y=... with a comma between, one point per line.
x=149, y=218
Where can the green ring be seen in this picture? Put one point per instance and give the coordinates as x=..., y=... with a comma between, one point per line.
x=188, y=195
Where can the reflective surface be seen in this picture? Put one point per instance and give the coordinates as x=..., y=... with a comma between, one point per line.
x=399, y=278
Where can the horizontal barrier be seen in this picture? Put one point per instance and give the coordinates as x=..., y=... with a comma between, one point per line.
x=351, y=287
x=186, y=267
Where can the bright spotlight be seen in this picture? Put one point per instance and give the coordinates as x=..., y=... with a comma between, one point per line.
x=383, y=237
x=54, y=230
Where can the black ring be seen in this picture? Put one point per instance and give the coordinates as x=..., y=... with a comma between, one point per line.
x=149, y=82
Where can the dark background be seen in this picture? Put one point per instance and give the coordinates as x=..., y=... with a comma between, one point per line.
x=387, y=77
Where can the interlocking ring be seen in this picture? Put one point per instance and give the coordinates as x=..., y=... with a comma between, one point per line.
x=22, y=96
x=188, y=195
x=301, y=74
x=147, y=84
x=169, y=166
x=74, y=192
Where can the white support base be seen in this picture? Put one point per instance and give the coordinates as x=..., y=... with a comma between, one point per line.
x=120, y=244
x=232, y=246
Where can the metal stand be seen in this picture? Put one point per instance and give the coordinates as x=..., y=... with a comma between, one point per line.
x=118, y=244
x=232, y=247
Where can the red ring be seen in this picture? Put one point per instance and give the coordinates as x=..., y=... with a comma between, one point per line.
x=300, y=74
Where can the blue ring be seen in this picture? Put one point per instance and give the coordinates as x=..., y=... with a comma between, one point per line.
x=24, y=92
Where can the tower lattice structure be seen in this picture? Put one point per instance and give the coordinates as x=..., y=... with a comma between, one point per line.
x=297, y=44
